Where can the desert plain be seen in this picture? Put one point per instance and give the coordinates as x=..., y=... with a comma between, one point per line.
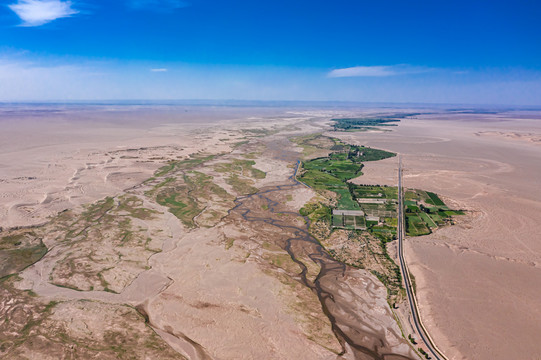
x=174, y=232
x=476, y=280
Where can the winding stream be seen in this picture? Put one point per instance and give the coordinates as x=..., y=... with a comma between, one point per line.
x=300, y=243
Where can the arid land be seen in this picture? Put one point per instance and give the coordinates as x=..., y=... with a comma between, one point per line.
x=174, y=232
x=476, y=280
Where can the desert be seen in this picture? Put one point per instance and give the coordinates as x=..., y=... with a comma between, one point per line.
x=194, y=230
x=475, y=280
x=160, y=219
x=212, y=180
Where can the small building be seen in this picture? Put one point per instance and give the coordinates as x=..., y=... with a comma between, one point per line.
x=372, y=218
x=348, y=219
x=348, y=212
x=372, y=201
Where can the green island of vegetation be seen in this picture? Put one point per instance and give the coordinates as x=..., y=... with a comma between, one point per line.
x=355, y=222
x=368, y=123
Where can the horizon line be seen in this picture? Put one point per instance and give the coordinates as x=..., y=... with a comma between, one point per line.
x=245, y=101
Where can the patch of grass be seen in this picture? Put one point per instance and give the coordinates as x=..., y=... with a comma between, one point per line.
x=182, y=206
x=425, y=211
x=415, y=226
x=428, y=220
x=193, y=161
x=96, y=211
x=345, y=201
x=316, y=211
x=187, y=198
x=435, y=200
x=134, y=207
x=240, y=185
x=313, y=143
x=320, y=180
x=18, y=250
x=229, y=243
x=240, y=143
x=356, y=124
x=241, y=167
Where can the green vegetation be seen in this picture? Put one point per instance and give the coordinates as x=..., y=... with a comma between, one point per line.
x=368, y=123
x=241, y=167
x=240, y=143
x=98, y=210
x=368, y=234
x=313, y=144
x=333, y=171
x=424, y=353
x=181, y=205
x=434, y=199
x=361, y=124
x=345, y=200
x=425, y=211
x=103, y=248
x=261, y=132
x=241, y=172
x=431, y=224
x=241, y=186
x=52, y=329
x=18, y=250
x=316, y=211
x=185, y=197
x=338, y=165
x=415, y=226
x=133, y=206
x=190, y=163
x=229, y=243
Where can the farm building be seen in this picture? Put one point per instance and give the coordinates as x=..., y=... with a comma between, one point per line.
x=372, y=201
x=349, y=219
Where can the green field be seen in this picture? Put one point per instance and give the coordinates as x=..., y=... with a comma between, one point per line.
x=425, y=211
x=345, y=201
x=359, y=124
x=428, y=220
x=339, y=164
x=415, y=226
x=320, y=180
x=434, y=199
x=376, y=192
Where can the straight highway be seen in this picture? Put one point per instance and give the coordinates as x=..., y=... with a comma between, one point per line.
x=433, y=353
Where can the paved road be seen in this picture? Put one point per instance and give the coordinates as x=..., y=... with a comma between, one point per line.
x=434, y=354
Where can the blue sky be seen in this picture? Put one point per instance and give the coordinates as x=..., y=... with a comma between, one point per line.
x=485, y=52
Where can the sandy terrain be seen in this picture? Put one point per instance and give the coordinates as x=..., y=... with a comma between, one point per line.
x=476, y=281
x=241, y=279
x=221, y=284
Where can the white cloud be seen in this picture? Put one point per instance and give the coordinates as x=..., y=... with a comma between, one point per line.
x=362, y=71
x=159, y=70
x=373, y=71
x=39, y=12
x=157, y=5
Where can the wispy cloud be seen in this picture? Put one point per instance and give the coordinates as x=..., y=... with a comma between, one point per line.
x=157, y=5
x=159, y=70
x=373, y=71
x=39, y=12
